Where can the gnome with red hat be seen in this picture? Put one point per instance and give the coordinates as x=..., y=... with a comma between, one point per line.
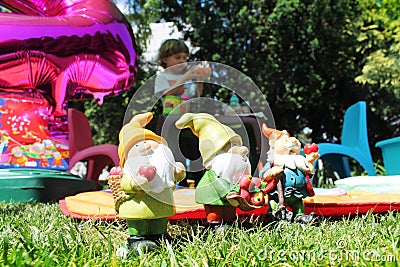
x=288, y=174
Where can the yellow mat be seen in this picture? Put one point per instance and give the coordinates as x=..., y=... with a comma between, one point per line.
x=91, y=204
x=101, y=204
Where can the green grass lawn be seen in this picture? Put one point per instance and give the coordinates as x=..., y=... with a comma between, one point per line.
x=41, y=235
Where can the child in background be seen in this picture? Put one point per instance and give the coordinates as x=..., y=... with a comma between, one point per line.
x=176, y=85
x=171, y=83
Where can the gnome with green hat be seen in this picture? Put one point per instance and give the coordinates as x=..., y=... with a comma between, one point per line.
x=225, y=159
x=143, y=185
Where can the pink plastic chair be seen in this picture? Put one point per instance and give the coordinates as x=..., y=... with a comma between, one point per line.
x=82, y=148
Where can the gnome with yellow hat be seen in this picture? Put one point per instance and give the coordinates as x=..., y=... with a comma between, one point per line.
x=143, y=185
x=288, y=174
x=225, y=159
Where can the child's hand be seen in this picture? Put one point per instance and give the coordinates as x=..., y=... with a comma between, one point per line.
x=203, y=72
x=191, y=74
x=198, y=73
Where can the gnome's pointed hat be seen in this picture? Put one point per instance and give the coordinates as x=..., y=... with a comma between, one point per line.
x=213, y=135
x=133, y=133
x=271, y=133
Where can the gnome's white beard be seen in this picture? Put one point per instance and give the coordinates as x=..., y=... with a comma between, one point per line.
x=292, y=162
x=229, y=167
x=163, y=159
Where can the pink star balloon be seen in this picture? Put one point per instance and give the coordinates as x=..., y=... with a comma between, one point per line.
x=53, y=51
x=61, y=50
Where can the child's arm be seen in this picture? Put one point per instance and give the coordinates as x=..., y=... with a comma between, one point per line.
x=177, y=88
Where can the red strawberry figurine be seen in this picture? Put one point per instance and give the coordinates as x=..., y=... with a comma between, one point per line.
x=310, y=148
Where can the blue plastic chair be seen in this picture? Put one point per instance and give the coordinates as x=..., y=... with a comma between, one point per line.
x=354, y=143
x=390, y=152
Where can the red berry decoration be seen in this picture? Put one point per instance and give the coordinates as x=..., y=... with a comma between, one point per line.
x=245, y=194
x=245, y=181
x=257, y=199
x=310, y=148
x=255, y=183
x=148, y=171
x=115, y=170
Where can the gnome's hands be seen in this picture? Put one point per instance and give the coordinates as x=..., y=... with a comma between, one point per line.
x=179, y=172
x=138, y=182
x=134, y=179
x=274, y=172
x=312, y=157
x=132, y=184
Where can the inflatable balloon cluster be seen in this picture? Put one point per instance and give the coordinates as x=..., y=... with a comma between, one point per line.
x=52, y=52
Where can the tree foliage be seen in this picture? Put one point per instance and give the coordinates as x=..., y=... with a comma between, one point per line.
x=311, y=59
x=301, y=54
x=379, y=43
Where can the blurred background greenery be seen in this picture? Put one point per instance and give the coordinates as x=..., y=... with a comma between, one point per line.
x=311, y=59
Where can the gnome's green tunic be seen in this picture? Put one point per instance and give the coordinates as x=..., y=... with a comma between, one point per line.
x=145, y=212
x=211, y=190
x=213, y=137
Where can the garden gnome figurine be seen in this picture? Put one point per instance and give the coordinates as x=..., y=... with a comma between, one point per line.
x=225, y=160
x=288, y=173
x=143, y=185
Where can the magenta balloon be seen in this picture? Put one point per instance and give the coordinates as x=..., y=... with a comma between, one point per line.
x=66, y=49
